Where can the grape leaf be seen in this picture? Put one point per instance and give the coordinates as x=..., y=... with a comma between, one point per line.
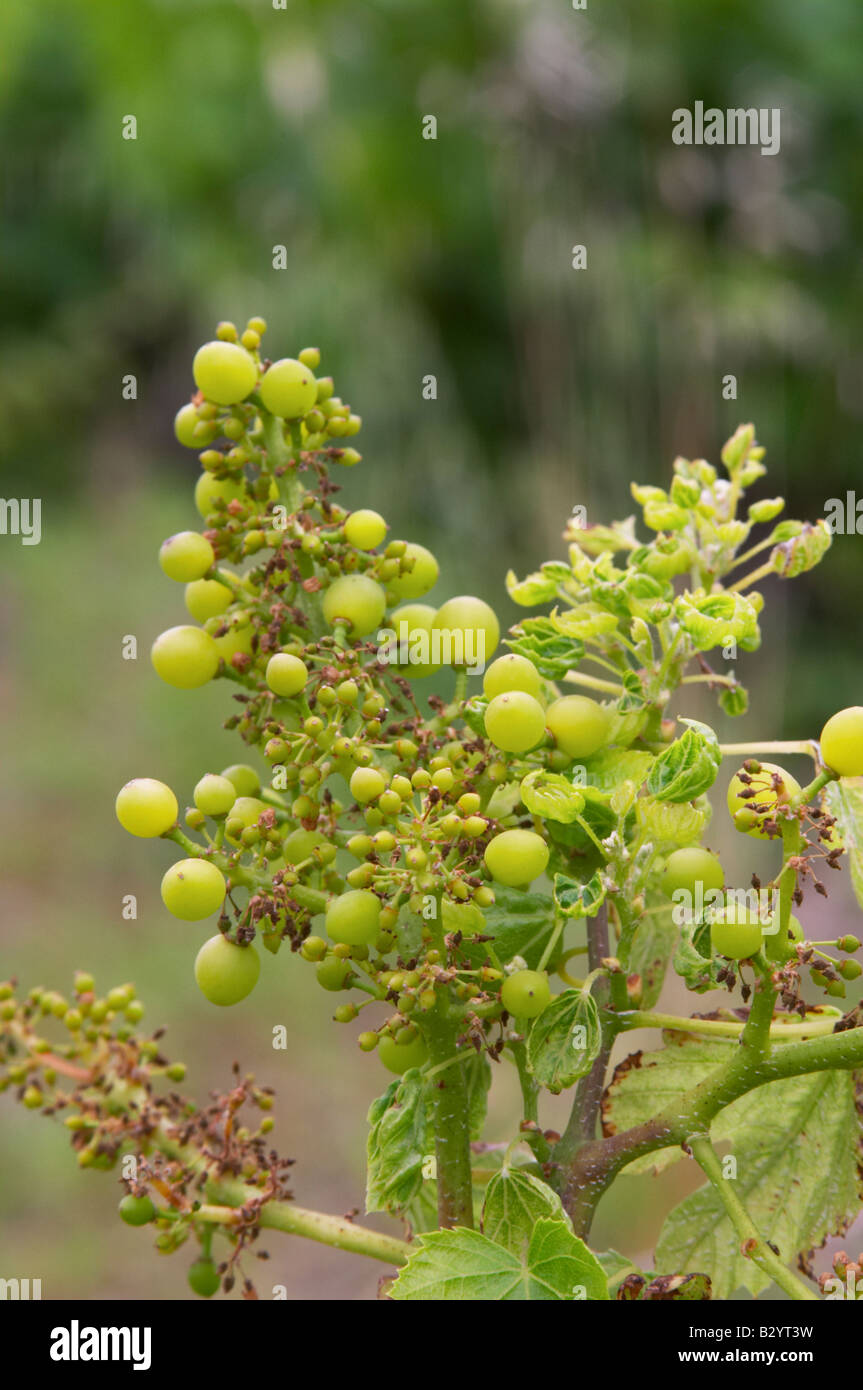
x=551, y=796
x=797, y=1146
x=514, y=1202
x=396, y=1144
x=552, y=653
x=579, y=899
x=461, y=1265
x=652, y=946
x=564, y=1040
x=606, y=770
x=844, y=800
x=520, y=924
x=688, y=766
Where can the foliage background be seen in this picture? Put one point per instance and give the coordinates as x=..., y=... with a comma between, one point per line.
x=302, y=127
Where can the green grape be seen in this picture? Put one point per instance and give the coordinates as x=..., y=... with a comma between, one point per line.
x=356, y=600
x=414, y=639
x=136, y=1211
x=777, y=949
x=193, y=889
x=399, y=1057
x=210, y=490
x=207, y=598
x=188, y=555
x=245, y=779
x=579, y=725
x=736, y=932
x=286, y=674
x=687, y=867
x=204, y=1278
x=226, y=973
x=224, y=372
x=515, y=721
x=185, y=657
x=245, y=812
x=473, y=629
x=750, y=812
x=288, y=389
x=333, y=974
x=365, y=529
x=185, y=421
x=422, y=577
x=354, y=918
x=366, y=784
x=236, y=639
x=525, y=993
x=511, y=672
x=301, y=844
x=146, y=807
x=516, y=857
x=842, y=742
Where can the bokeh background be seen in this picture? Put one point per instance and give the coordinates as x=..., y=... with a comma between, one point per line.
x=302, y=127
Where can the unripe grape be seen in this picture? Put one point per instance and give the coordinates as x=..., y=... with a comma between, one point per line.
x=389, y=802
x=207, y=598
x=367, y=1042
x=414, y=639
x=779, y=950
x=314, y=948
x=473, y=629
x=687, y=867
x=146, y=808
x=515, y=721
x=842, y=742
x=736, y=932
x=469, y=803
x=511, y=672
x=204, y=1278
x=850, y=969
x=288, y=388
x=193, y=889
x=354, y=918
x=766, y=798
x=185, y=421
x=399, y=1057
x=356, y=600
x=226, y=973
x=579, y=725
x=224, y=372
x=366, y=784
x=214, y=795
x=422, y=576
x=365, y=529
x=210, y=490
x=347, y=692
x=443, y=779
x=333, y=973
x=516, y=857
x=525, y=993
x=136, y=1211
x=345, y=1013
x=474, y=827
x=186, y=556
x=245, y=779
x=185, y=657
x=286, y=674
x=237, y=639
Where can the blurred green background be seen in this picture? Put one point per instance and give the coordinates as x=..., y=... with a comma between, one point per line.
x=302, y=127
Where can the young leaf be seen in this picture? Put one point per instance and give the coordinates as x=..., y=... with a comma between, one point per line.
x=462, y=1265
x=514, y=1202
x=552, y=653
x=520, y=924
x=579, y=899
x=796, y=1143
x=688, y=766
x=466, y=918
x=606, y=770
x=676, y=823
x=396, y=1144
x=533, y=589
x=551, y=796
x=844, y=800
x=564, y=1041
x=652, y=948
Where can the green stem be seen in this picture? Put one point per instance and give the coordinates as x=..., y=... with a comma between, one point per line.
x=756, y=1248
x=450, y=1119
x=752, y=750
x=722, y=1028
x=593, y=682
x=315, y=1225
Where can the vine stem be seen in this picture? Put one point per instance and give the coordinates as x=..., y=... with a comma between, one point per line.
x=753, y=1245
x=581, y=1127
x=299, y=1221
x=450, y=1120
x=722, y=1028
x=593, y=682
x=805, y=746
